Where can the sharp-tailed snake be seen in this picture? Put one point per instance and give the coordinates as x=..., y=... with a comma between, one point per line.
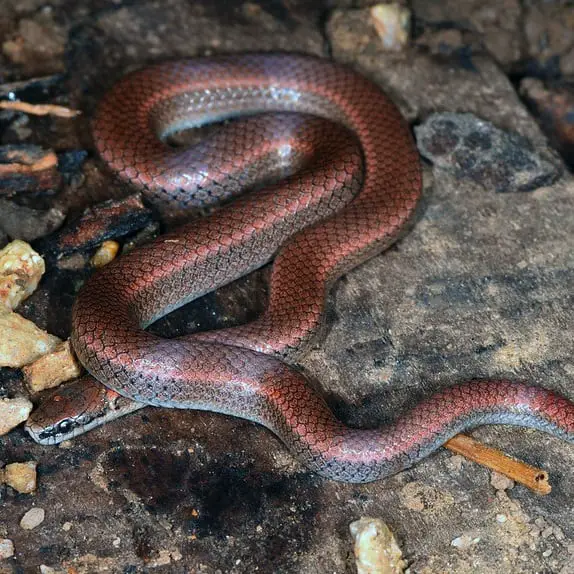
x=351, y=180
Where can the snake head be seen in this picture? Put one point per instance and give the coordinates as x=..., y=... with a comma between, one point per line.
x=75, y=409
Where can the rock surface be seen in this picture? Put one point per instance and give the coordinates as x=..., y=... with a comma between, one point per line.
x=481, y=287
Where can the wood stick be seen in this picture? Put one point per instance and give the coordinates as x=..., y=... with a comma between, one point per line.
x=39, y=109
x=49, y=160
x=530, y=476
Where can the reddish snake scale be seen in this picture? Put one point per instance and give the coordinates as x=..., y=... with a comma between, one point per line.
x=346, y=137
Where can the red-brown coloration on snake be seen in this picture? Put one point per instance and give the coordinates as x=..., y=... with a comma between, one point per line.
x=237, y=371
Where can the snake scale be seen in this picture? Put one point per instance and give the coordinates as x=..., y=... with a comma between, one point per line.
x=350, y=180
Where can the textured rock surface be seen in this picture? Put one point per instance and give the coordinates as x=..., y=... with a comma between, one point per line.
x=481, y=287
x=476, y=151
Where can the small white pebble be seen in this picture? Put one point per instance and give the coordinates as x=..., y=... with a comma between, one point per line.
x=259, y=528
x=392, y=23
x=458, y=542
x=6, y=548
x=547, y=553
x=67, y=526
x=32, y=518
x=376, y=548
x=116, y=542
x=501, y=518
x=464, y=541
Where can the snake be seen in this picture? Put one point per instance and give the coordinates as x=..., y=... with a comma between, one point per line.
x=333, y=179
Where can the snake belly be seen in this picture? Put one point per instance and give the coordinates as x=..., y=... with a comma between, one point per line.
x=352, y=180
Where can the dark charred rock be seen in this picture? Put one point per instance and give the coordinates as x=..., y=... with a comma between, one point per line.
x=554, y=107
x=476, y=150
x=108, y=220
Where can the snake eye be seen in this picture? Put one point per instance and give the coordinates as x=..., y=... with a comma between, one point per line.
x=64, y=426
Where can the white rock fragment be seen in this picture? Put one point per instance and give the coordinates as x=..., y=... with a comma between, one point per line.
x=13, y=412
x=34, y=517
x=393, y=24
x=21, y=269
x=22, y=342
x=52, y=369
x=6, y=548
x=376, y=549
x=465, y=541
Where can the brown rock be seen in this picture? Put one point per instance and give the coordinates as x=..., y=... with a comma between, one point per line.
x=493, y=24
x=52, y=369
x=22, y=341
x=554, y=107
x=38, y=45
x=21, y=476
x=549, y=29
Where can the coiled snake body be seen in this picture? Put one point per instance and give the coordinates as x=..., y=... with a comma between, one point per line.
x=345, y=137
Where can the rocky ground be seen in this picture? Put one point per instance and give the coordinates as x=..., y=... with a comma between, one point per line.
x=481, y=287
